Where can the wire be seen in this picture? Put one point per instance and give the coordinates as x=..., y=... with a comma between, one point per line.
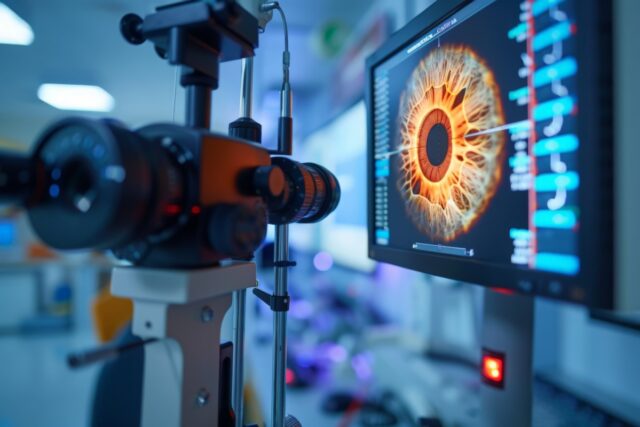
x=285, y=138
x=286, y=28
x=285, y=55
x=270, y=6
x=175, y=94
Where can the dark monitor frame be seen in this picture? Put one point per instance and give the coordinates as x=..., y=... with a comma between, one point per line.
x=594, y=284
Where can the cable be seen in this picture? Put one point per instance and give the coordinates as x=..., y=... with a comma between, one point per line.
x=268, y=7
x=175, y=94
x=285, y=124
x=286, y=58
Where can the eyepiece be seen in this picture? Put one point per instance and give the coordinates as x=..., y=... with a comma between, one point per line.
x=131, y=29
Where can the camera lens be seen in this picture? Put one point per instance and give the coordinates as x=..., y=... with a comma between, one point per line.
x=326, y=195
x=311, y=193
x=100, y=185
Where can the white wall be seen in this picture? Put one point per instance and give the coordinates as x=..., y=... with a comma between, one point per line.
x=598, y=354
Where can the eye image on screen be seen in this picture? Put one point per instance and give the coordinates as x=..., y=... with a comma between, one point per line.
x=475, y=137
x=450, y=167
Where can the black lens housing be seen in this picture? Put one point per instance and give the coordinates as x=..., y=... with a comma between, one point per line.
x=16, y=177
x=100, y=185
x=311, y=193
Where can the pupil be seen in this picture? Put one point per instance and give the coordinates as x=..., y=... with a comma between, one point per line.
x=437, y=144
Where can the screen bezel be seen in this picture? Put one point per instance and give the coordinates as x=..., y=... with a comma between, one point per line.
x=593, y=285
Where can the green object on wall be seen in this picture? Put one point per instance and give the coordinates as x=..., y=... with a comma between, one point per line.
x=330, y=38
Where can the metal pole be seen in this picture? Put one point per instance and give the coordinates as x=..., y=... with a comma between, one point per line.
x=240, y=296
x=246, y=93
x=280, y=328
x=237, y=402
x=199, y=106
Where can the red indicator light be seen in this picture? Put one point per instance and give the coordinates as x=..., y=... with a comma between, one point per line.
x=195, y=210
x=290, y=377
x=493, y=368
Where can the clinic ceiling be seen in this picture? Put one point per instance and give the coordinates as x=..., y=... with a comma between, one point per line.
x=77, y=41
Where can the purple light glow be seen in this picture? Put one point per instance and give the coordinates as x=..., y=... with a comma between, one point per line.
x=323, y=261
x=361, y=364
x=336, y=353
x=301, y=309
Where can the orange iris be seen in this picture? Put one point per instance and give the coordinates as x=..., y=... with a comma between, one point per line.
x=449, y=172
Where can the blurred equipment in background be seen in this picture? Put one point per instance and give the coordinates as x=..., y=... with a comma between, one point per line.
x=11, y=248
x=350, y=77
x=329, y=38
x=110, y=314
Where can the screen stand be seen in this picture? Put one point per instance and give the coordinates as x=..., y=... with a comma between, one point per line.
x=507, y=332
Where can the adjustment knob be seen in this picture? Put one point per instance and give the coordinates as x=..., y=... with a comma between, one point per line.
x=131, y=28
x=237, y=231
x=270, y=183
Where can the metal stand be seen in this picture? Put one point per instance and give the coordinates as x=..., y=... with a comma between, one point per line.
x=237, y=392
x=508, y=330
x=280, y=327
x=184, y=311
x=240, y=296
x=279, y=304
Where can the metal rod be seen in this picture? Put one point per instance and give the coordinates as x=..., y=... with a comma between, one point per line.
x=246, y=91
x=280, y=328
x=240, y=296
x=199, y=106
x=239, y=308
x=104, y=353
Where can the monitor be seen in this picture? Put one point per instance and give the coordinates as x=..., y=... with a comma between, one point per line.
x=489, y=146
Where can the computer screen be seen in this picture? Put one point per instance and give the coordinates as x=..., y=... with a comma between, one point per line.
x=479, y=162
